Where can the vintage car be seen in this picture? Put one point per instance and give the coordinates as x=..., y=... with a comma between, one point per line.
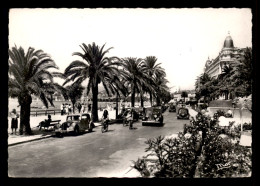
x=182, y=112
x=172, y=108
x=75, y=124
x=153, y=116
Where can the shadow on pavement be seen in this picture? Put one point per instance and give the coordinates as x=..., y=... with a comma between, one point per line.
x=153, y=125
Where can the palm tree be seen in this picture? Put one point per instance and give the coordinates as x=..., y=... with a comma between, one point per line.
x=213, y=88
x=74, y=92
x=96, y=68
x=161, y=89
x=29, y=75
x=224, y=81
x=153, y=70
x=133, y=74
x=202, y=86
x=242, y=74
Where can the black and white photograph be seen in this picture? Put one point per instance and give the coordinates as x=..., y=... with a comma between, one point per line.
x=130, y=93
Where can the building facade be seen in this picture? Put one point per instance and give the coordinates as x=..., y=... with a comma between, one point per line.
x=226, y=56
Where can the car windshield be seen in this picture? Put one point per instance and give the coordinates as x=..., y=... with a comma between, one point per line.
x=72, y=118
x=156, y=111
x=84, y=117
x=76, y=118
x=148, y=113
x=183, y=111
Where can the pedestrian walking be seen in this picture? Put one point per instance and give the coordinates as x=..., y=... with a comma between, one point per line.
x=105, y=120
x=61, y=108
x=89, y=107
x=64, y=109
x=130, y=118
x=70, y=110
x=14, y=122
x=67, y=108
x=84, y=107
x=79, y=107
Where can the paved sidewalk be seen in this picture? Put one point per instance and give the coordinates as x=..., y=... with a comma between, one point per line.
x=14, y=139
x=19, y=139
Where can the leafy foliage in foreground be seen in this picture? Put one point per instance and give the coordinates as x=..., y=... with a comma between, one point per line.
x=204, y=150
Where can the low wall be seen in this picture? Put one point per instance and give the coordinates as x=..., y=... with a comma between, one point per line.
x=236, y=113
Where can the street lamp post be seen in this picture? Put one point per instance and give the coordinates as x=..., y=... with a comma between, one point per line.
x=116, y=105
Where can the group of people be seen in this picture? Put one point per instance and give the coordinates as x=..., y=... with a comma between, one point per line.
x=65, y=108
x=81, y=107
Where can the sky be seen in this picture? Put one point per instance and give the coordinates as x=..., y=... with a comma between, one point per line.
x=180, y=39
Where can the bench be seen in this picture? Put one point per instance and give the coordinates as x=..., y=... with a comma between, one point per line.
x=52, y=124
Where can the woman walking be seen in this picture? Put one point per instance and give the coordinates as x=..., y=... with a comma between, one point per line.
x=14, y=122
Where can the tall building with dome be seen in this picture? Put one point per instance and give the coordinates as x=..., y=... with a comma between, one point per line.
x=226, y=56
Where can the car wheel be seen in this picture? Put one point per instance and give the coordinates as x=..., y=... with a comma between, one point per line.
x=103, y=129
x=161, y=120
x=76, y=130
x=58, y=134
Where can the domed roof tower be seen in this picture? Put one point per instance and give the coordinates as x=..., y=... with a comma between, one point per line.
x=228, y=43
x=207, y=62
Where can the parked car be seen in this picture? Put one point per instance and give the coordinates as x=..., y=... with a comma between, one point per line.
x=183, y=113
x=75, y=124
x=153, y=116
x=172, y=108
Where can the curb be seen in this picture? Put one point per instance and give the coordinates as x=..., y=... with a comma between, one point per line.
x=26, y=141
x=40, y=138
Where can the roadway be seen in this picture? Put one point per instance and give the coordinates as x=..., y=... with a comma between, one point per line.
x=92, y=154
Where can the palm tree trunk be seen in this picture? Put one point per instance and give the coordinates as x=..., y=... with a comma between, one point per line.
x=25, y=101
x=151, y=98
x=158, y=100
x=73, y=107
x=133, y=96
x=142, y=100
x=226, y=96
x=95, y=103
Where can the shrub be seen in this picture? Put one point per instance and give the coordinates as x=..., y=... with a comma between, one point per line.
x=173, y=157
x=204, y=149
x=222, y=158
